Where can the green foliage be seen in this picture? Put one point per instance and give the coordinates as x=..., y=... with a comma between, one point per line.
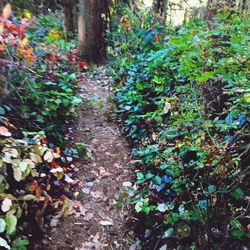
x=184, y=102
x=37, y=103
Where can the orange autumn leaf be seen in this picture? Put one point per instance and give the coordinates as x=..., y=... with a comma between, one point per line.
x=44, y=141
x=53, y=164
x=32, y=186
x=38, y=193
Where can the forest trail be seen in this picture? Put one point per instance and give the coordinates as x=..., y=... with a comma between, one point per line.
x=97, y=223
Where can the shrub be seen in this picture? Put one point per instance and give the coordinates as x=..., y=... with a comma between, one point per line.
x=38, y=98
x=184, y=102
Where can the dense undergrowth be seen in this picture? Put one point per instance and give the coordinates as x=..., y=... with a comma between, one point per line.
x=38, y=87
x=184, y=98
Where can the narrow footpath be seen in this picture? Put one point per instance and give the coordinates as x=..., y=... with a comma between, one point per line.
x=96, y=223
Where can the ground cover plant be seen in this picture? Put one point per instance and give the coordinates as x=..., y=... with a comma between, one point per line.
x=38, y=100
x=184, y=100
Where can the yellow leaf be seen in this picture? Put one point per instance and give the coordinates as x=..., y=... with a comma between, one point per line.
x=125, y=22
x=24, y=42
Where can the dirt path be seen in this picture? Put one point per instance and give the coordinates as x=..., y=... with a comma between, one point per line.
x=97, y=224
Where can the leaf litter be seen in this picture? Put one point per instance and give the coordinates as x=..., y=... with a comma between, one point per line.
x=94, y=221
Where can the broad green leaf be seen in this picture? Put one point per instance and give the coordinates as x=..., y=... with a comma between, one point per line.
x=237, y=193
x=28, y=197
x=11, y=222
x=138, y=206
x=140, y=175
x=2, y=225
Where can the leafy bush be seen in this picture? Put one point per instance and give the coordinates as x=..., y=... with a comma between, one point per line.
x=184, y=99
x=38, y=99
x=32, y=182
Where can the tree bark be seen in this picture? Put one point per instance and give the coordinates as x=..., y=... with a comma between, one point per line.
x=67, y=9
x=91, y=30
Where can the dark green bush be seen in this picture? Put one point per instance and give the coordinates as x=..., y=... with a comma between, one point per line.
x=185, y=101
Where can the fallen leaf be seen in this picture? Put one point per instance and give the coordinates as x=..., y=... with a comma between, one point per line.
x=81, y=209
x=117, y=165
x=96, y=194
x=88, y=216
x=68, y=179
x=127, y=184
x=4, y=131
x=133, y=247
x=103, y=172
x=106, y=223
x=86, y=190
x=54, y=222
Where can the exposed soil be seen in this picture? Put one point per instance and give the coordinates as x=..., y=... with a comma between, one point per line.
x=96, y=222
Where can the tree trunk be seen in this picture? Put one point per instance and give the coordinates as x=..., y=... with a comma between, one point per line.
x=91, y=29
x=67, y=9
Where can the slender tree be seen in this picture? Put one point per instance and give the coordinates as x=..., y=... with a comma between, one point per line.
x=91, y=29
x=68, y=12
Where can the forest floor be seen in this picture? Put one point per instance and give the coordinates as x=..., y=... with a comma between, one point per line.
x=96, y=223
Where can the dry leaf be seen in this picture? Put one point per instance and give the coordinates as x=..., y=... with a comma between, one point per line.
x=104, y=173
x=106, y=222
x=7, y=12
x=4, y=131
x=88, y=216
x=117, y=165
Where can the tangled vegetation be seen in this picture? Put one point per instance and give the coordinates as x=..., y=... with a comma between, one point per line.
x=37, y=103
x=184, y=100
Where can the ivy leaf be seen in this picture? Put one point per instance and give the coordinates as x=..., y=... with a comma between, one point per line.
x=164, y=247
x=157, y=180
x=6, y=205
x=148, y=38
x=138, y=206
x=2, y=225
x=29, y=197
x=169, y=233
x=162, y=207
x=238, y=234
x=212, y=189
x=35, y=158
x=160, y=187
x=11, y=222
x=139, y=176
x=205, y=76
x=3, y=243
x=17, y=174
x=237, y=193
x=48, y=156
x=2, y=111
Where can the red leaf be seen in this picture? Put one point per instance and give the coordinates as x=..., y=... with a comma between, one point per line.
x=83, y=65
